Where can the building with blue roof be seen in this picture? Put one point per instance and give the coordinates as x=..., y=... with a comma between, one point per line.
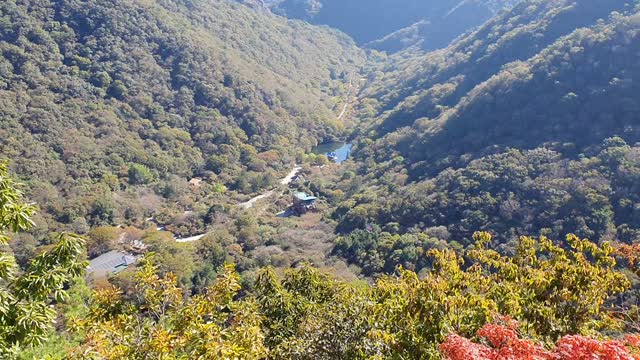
x=303, y=203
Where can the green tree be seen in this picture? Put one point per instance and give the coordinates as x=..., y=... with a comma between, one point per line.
x=140, y=174
x=118, y=90
x=26, y=316
x=101, y=240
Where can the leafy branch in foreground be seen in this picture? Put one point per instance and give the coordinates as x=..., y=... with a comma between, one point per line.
x=554, y=291
x=26, y=316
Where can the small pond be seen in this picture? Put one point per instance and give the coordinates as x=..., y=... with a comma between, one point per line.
x=342, y=150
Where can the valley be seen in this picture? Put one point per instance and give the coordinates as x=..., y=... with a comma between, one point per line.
x=319, y=179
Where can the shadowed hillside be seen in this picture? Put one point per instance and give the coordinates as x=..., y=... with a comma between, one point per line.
x=531, y=122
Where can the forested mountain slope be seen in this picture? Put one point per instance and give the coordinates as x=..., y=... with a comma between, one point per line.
x=511, y=129
x=99, y=97
x=413, y=87
x=392, y=25
x=527, y=126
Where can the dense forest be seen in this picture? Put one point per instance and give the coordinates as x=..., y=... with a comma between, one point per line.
x=489, y=207
x=110, y=107
x=493, y=135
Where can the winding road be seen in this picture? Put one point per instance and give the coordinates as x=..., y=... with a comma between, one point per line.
x=251, y=203
x=285, y=181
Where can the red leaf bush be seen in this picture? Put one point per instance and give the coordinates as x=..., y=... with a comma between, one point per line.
x=503, y=343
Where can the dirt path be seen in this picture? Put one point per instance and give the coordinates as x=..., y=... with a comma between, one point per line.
x=347, y=101
x=289, y=178
x=285, y=181
x=251, y=203
x=344, y=111
x=191, y=239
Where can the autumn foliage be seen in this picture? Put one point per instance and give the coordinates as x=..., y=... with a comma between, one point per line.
x=631, y=254
x=501, y=342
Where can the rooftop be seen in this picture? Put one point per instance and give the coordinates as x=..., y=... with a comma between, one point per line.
x=304, y=196
x=112, y=262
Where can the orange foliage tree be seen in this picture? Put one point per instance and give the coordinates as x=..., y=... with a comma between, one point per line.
x=502, y=342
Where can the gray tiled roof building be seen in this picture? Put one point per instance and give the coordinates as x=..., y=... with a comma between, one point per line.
x=111, y=263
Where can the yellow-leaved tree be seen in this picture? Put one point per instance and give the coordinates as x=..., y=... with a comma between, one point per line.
x=550, y=289
x=158, y=321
